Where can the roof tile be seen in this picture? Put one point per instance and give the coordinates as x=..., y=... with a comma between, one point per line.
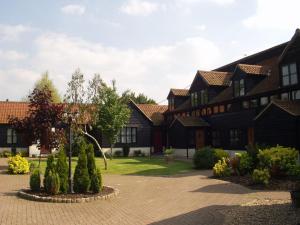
x=215, y=78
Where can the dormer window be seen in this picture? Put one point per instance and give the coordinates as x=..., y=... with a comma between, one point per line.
x=239, y=87
x=171, y=103
x=289, y=74
x=194, y=99
x=203, y=97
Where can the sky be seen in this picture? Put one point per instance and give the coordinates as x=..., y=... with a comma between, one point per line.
x=148, y=46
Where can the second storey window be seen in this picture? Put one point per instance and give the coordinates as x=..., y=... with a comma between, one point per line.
x=194, y=99
x=289, y=74
x=239, y=87
x=264, y=100
x=11, y=137
x=127, y=135
x=204, y=97
x=171, y=103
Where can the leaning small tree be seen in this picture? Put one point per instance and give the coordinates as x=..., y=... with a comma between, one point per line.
x=78, y=98
x=112, y=113
x=38, y=125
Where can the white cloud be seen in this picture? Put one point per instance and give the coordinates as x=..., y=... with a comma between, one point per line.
x=139, y=7
x=201, y=27
x=275, y=14
x=151, y=70
x=12, y=55
x=73, y=9
x=12, y=32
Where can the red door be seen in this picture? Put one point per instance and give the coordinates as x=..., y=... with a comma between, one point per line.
x=157, y=141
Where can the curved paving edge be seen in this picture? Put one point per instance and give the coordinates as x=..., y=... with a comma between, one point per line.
x=32, y=197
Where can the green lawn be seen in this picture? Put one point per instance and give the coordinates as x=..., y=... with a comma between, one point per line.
x=136, y=166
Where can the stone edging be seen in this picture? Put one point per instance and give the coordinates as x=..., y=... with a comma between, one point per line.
x=37, y=198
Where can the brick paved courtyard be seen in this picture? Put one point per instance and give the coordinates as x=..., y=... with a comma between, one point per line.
x=185, y=199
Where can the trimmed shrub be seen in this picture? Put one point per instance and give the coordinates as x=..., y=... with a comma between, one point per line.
x=82, y=180
x=221, y=168
x=219, y=154
x=18, y=165
x=118, y=153
x=246, y=163
x=62, y=170
x=35, y=180
x=6, y=154
x=277, y=159
x=99, y=175
x=126, y=150
x=204, y=158
x=52, y=184
x=261, y=176
x=294, y=171
x=50, y=167
x=91, y=164
x=78, y=144
x=95, y=184
x=33, y=165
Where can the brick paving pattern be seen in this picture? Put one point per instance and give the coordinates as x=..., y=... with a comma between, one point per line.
x=187, y=199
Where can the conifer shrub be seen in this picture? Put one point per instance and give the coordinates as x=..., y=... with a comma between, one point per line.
x=82, y=180
x=35, y=180
x=50, y=167
x=99, y=175
x=52, y=183
x=95, y=184
x=204, y=158
x=91, y=164
x=62, y=170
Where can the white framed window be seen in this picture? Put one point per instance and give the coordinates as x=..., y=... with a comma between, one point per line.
x=194, y=99
x=285, y=96
x=296, y=95
x=264, y=100
x=11, y=136
x=127, y=135
x=204, y=96
x=239, y=87
x=289, y=74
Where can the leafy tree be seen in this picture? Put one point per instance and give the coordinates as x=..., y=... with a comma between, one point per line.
x=62, y=170
x=46, y=82
x=42, y=117
x=112, y=112
x=137, y=98
x=84, y=100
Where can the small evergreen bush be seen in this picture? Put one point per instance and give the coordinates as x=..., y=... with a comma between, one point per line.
x=246, y=163
x=294, y=171
x=219, y=154
x=95, y=183
x=62, y=170
x=222, y=168
x=277, y=159
x=261, y=176
x=204, y=158
x=82, y=180
x=18, y=165
x=52, y=183
x=99, y=175
x=50, y=167
x=35, y=180
x=91, y=164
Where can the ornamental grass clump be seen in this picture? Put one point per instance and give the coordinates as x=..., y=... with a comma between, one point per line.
x=82, y=180
x=18, y=165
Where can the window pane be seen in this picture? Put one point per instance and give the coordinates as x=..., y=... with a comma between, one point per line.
x=9, y=136
x=285, y=96
x=285, y=80
x=253, y=103
x=285, y=70
x=128, y=135
x=294, y=78
x=245, y=104
x=293, y=68
x=133, y=135
x=14, y=137
x=264, y=101
x=296, y=94
x=236, y=88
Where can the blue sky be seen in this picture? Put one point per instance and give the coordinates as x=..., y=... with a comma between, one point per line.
x=148, y=46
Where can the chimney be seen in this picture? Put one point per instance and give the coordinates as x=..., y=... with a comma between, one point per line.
x=7, y=100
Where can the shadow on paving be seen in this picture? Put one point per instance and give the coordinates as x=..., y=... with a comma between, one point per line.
x=254, y=214
x=226, y=188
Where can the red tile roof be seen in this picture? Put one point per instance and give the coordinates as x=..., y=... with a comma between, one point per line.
x=215, y=78
x=16, y=109
x=153, y=112
x=179, y=92
x=254, y=69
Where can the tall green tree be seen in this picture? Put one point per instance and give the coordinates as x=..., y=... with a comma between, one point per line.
x=137, y=98
x=43, y=83
x=113, y=113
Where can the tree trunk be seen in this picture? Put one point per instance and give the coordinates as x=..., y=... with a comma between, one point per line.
x=100, y=149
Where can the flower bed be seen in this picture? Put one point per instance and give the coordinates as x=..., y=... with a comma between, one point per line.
x=106, y=193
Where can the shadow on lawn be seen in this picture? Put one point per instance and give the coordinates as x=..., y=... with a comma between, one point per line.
x=254, y=214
